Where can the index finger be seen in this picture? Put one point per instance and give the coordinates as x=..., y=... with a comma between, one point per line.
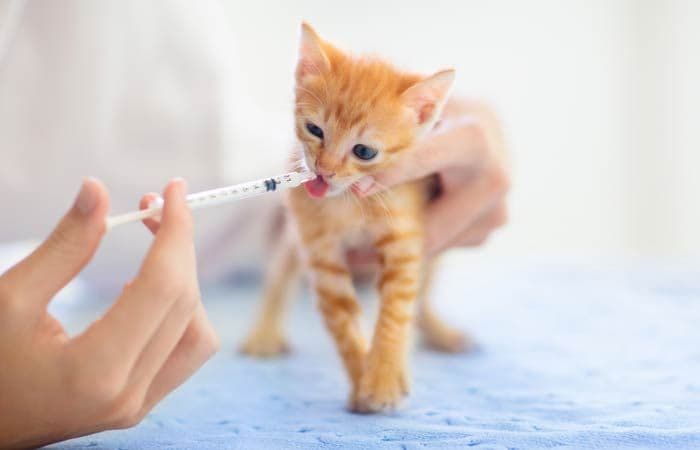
x=168, y=271
x=152, y=223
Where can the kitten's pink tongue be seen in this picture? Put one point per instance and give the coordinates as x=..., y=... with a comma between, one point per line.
x=317, y=187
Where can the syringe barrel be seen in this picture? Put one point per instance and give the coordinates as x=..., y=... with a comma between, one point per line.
x=222, y=195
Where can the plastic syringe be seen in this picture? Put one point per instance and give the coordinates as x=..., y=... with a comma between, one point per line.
x=221, y=195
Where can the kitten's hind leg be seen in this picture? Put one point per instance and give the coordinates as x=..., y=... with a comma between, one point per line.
x=437, y=334
x=266, y=338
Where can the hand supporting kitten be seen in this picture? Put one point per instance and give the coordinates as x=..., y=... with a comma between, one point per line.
x=468, y=153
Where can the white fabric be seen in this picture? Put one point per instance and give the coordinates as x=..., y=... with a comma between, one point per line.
x=134, y=93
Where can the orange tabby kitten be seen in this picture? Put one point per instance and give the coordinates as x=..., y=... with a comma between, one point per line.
x=354, y=117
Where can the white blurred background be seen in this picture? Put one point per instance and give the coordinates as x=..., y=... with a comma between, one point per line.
x=601, y=101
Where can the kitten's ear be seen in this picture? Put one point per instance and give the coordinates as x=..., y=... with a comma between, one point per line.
x=312, y=58
x=427, y=97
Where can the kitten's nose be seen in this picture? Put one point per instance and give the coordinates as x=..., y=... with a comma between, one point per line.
x=323, y=172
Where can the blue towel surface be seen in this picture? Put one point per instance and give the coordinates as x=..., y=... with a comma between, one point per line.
x=569, y=357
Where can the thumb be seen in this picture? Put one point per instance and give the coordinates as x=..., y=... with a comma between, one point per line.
x=67, y=249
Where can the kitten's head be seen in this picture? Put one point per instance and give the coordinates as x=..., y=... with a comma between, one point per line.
x=356, y=116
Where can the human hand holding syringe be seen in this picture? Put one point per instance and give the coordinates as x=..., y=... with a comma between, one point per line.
x=220, y=195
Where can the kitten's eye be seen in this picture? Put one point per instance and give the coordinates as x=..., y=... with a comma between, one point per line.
x=363, y=152
x=315, y=130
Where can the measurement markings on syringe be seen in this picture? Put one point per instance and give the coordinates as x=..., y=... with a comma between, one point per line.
x=221, y=195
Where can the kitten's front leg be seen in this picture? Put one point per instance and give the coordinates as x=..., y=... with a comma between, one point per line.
x=332, y=282
x=385, y=379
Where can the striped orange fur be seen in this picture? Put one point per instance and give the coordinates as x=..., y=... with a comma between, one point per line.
x=360, y=100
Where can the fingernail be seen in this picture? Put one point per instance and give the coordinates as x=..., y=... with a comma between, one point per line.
x=373, y=190
x=86, y=201
x=181, y=182
x=156, y=203
x=365, y=185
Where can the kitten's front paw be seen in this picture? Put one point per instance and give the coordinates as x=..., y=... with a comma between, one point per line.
x=264, y=344
x=382, y=388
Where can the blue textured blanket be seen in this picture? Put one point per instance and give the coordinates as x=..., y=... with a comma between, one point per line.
x=569, y=357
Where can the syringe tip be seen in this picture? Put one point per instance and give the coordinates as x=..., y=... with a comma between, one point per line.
x=306, y=175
